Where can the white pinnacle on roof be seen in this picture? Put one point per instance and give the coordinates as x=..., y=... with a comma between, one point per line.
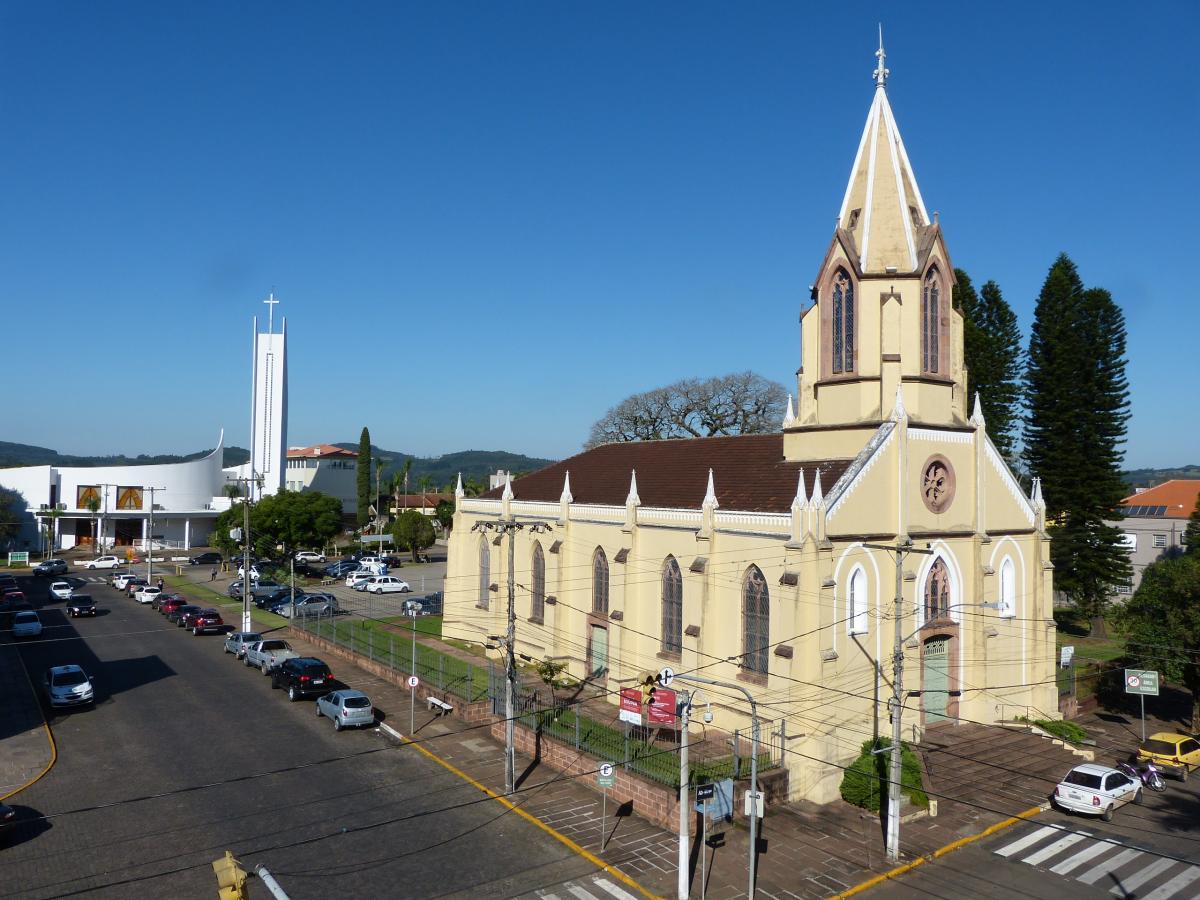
x=882, y=208
x=508, y=491
x=458, y=490
x=900, y=411
x=801, y=500
x=977, y=413
x=633, y=499
x=566, y=494
x=818, y=498
x=790, y=416
x=710, y=496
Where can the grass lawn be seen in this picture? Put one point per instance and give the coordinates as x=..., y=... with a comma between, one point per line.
x=231, y=610
x=1074, y=632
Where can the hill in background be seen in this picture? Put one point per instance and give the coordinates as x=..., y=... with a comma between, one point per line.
x=1144, y=478
x=28, y=455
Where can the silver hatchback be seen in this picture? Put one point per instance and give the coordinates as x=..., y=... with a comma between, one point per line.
x=346, y=708
x=237, y=642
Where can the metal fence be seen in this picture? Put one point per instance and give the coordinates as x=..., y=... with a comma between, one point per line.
x=463, y=679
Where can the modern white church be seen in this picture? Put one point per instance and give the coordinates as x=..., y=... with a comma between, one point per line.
x=169, y=505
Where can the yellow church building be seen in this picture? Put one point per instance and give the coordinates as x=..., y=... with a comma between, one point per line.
x=746, y=558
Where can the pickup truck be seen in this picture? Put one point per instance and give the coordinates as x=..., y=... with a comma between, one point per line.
x=268, y=654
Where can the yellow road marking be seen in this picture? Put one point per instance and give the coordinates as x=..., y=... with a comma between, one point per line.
x=49, y=736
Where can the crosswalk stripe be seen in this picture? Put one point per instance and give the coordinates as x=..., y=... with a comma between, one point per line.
x=580, y=892
x=1071, y=863
x=1140, y=877
x=1109, y=865
x=605, y=885
x=1175, y=885
x=1052, y=849
x=1028, y=841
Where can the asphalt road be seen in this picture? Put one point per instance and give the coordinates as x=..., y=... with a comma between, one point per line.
x=1148, y=851
x=188, y=754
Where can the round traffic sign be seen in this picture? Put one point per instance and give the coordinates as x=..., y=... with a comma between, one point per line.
x=1133, y=681
x=666, y=676
x=606, y=769
x=413, y=681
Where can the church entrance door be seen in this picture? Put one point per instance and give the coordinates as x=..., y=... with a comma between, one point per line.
x=598, y=651
x=935, y=683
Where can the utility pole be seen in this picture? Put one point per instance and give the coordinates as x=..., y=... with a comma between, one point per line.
x=510, y=527
x=248, y=483
x=902, y=548
x=685, y=708
x=150, y=537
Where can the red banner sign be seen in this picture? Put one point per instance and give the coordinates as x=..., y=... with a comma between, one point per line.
x=631, y=706
x=662, y=708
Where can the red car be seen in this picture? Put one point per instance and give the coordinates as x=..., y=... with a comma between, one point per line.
x=204, y=621
x=171, y=604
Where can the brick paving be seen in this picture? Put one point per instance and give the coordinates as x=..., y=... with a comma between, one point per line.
x=24, y=747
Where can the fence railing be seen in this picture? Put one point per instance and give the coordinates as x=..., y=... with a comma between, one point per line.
x=466, y=680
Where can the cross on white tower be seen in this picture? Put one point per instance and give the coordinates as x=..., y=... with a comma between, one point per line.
x=271, y=301
x=880, y=73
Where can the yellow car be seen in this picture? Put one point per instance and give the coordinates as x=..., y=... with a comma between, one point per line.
x=1175, y=753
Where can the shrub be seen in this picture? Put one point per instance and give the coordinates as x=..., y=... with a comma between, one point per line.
x=864, y=783
x=1063, y=730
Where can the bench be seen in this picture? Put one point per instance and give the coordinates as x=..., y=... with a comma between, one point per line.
x=325, y=582
x=441, y=707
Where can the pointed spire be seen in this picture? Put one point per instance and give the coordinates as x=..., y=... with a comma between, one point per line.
x=818, y=498
x=790, y=416
x=508, y=491
x=882, y=208
x=633, y=499
x=899, y=412
x=459, y=493
x=881, y=73
x=566, y=494
x=710, y=496
x=1036, y=493
x=801, y=500
x=977, y=413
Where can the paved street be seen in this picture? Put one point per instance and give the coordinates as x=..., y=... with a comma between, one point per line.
x=1150, y=852
x=188, y=754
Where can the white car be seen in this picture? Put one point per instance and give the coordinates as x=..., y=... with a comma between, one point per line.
x=120, y=579
x=387, y=584
x=61, y=590
x=146, y=594
x=254, y=576
x=356, y=578
x=1096, y=791
x=26, y=624
x=103, y=562
x=68, y=685
x=310, y=556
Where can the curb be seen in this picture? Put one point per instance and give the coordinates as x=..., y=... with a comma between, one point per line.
x=527, y=816
x=49, y=737
x=940, y=852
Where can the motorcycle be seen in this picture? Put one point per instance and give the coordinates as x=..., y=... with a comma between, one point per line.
x=1147, y=775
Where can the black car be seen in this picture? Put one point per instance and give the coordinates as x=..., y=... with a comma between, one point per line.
x=206, y=559
x=274, y=598
x=81, y=605
x=176, y=615
x=304, y=676
x=341, y=569
x=8, y=817
x=51, y=567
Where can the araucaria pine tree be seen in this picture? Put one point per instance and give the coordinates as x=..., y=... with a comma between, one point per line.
x=1077, y=407
x=1191, y=534
x=364, y=476
x=992, y=352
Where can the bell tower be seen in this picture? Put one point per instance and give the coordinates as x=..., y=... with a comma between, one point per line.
x=882, y=325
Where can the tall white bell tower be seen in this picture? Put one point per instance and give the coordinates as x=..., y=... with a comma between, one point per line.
x=268, y=404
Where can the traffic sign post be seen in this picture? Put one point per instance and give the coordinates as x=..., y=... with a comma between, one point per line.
x=704, y=793
x=605, y=778
x=1142, y=682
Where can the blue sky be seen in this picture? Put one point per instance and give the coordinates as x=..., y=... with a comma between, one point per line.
x=489, y=222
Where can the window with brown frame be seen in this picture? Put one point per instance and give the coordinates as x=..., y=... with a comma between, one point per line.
x=842, y=324
x=931, y=318
x=537, y=588
x=600, y=582
x=756, y=622
x=672, y=607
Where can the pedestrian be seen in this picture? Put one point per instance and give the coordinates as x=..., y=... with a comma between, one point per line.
x=160, y=582
x=214, y=574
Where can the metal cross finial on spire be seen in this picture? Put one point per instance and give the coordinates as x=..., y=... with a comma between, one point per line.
x=271, y=301
x=881, y=72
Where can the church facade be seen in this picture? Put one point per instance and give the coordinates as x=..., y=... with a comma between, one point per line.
x=763, y=560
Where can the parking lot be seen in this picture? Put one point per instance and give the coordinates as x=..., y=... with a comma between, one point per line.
x=187, y=754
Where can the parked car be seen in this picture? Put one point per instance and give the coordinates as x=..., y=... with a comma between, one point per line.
x=257, y=589
x=275, y=598
x=1178, y=754
x=358, y=577
x=309, y=556
x=176, y=615
x=346, y=708
x=146, y=593
x=1096, y=790
x=387, y=584
x=68, y=685
x=267, y=654
x=254, y=573
x=8, y=818
x=341, y=569
x=26, y=624
x=236, y=642
x=102, y=562
x=302, y=676
x=118, y=579
x=171, y=604
x=81, y=605
x=205, y=621
x=162, y=597
x=51, y=567
x=211, y=558
x=308, y=605
x=61, y=590
x=134, y=584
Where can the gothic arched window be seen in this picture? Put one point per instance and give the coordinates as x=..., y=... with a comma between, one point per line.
x=485, y=572
x=672, y=607
x=937, y=592
x=842, y=324
x=756, y=622
x=856, y=601
x=600, y=582
x=1008, y=588
x=537, y=586
x=931, y=318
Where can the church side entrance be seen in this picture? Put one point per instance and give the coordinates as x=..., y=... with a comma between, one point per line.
x=935, y=681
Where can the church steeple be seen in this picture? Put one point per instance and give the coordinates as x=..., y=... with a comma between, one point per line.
x=882, y=209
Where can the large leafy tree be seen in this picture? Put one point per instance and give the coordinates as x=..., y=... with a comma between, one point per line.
x=364, y=476
x=1077, y=408
x=412, y=531
x=992, y=351
x=1191, y=534
x=1162, y=623
x=444, y=513
x=289, y=519
x=12, y=505
x=742, y=403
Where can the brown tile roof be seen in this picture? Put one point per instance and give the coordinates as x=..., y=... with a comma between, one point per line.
x=428, y=500
x=749, y=473
x=1177, y=495
x=318, y=450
